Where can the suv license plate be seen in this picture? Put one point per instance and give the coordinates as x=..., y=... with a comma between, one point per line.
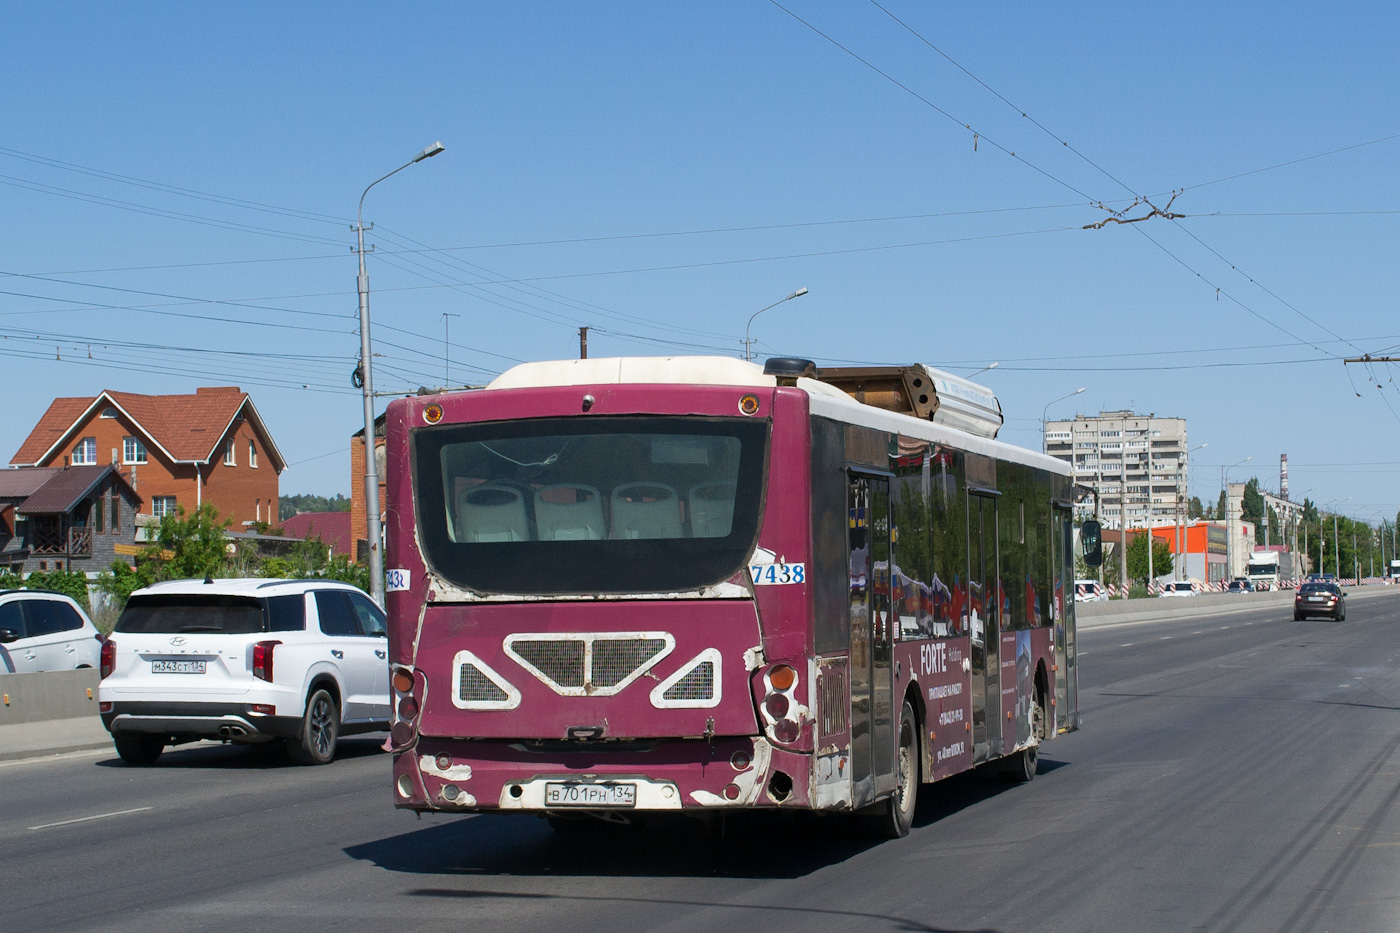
x=162, y=666
x=590, y=795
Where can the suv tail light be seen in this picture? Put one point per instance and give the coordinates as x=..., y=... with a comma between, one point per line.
x=262, y=659
x=109, y=658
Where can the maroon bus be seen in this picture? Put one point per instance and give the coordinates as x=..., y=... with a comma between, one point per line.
x=691, y=584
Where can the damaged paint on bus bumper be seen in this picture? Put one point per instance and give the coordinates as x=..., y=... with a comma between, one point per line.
x=662, y=775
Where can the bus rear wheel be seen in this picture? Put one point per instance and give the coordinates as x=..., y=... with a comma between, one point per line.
x=895, y=814
x=1021, y=766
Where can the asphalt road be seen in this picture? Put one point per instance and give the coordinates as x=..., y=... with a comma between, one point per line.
x=1235, y=772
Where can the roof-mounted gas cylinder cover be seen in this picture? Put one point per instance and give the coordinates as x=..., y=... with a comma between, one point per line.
x=788, y=369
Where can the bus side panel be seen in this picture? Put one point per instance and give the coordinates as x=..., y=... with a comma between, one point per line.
x=407, y=588
x=831, y=628
x=945, y=697
x=784, y=609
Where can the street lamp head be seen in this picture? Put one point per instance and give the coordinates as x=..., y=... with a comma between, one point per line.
x=799, y=293
x=428, y=153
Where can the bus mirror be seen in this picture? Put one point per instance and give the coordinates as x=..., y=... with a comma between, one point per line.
x=1091, y=542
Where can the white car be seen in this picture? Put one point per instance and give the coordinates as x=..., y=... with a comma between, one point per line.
x=1178, y=588
x=45, y=631
x=1088, y=591
x=247, y=661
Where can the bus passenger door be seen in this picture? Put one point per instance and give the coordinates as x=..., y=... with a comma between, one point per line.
x=872, y=739
x=983, y=616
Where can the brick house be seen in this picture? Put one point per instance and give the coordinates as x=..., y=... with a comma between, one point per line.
x=359, y=518
x=75, y=518
x=172, y=450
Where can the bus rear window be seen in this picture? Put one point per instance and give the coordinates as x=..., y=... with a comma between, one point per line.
x=589, y=505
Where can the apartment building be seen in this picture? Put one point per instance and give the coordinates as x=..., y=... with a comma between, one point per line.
x=1135, y=464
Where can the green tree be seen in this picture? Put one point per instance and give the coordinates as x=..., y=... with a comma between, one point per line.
x=1194, y=508
x=197, y=543
x=1252, y=507
x=70, y=583
x=1137, y=557
x=291, y=505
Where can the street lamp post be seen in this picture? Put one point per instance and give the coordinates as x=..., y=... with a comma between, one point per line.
x=365, y=375
x=1045, y=413
x=748, y=344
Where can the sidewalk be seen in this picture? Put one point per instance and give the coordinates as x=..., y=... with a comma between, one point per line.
x=52, y=737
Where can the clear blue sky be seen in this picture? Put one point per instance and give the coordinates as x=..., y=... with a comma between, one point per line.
x=659, y=171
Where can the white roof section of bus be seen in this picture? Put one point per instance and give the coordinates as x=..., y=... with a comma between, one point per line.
x=827, y=400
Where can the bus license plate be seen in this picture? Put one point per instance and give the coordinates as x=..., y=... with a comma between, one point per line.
x=163, y=666
x=590, y=795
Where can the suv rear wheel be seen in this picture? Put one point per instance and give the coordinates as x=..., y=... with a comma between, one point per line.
x=320, y=728
x=138, y=748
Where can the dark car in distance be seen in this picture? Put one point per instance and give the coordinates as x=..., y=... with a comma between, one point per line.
x=1320, y=599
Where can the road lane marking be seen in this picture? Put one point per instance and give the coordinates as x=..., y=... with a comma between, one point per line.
x=84, y=819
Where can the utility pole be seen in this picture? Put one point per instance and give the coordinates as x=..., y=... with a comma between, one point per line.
x=583, y=343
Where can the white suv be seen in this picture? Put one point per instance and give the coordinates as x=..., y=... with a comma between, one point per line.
x=45, y=631
x=246, y=660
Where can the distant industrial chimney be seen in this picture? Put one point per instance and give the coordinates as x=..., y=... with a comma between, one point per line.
x=1283, y=477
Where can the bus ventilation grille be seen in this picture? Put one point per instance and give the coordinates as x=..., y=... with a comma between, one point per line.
x=559, y=661
x=699, y=684
x=476, y=687
x=594, y=664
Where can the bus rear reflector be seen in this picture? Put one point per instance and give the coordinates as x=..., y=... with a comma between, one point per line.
x=403, y=680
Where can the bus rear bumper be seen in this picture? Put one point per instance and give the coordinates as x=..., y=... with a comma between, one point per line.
x=669, y=775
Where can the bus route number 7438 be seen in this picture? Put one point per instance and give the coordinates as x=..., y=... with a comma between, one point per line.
x=777, y=574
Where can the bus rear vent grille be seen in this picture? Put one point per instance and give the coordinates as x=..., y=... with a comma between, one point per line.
x=476, y=687
x=591, y=664
x=614, y=659
x=699, y=684
x=559, y=660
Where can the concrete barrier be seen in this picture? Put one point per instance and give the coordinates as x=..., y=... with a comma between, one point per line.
x=48, y=695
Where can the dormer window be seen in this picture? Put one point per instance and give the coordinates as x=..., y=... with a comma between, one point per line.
x=231, y=453
x=109, y=413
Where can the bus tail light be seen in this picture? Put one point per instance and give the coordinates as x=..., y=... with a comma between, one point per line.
x=404, y=730
x=262, y=659
x=780, y=708
x=109, y=659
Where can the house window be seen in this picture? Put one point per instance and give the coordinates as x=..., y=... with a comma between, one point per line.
x=231, y=453
x=162, y=506
x=85, y=454
x=99, y=522
x=252, y=455
x=259, y=511
x=133, y=451
x=115, y=513
x=109, y=413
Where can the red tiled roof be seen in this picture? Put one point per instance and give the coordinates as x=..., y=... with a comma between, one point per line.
x=58, y=419
x=188, y=427
x=332, y=527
